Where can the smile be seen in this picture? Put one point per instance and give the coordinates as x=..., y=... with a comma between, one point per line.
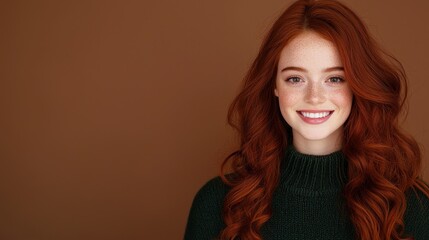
x=315, y=117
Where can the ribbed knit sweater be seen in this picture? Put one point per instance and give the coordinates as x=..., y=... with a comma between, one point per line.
x=307, y=203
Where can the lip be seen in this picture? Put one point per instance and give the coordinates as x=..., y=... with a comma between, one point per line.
x=315, y=120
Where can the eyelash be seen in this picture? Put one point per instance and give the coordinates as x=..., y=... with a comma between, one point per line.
x=294, y=77
x=289, y=80
x=341, y=79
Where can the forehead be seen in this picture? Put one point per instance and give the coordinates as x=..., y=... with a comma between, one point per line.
x=309, y=49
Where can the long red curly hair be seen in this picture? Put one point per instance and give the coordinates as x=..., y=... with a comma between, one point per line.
x=383, y=161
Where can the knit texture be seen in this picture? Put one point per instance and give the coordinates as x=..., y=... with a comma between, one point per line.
x=307, y=203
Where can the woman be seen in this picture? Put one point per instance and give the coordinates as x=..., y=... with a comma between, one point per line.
x=321, y=153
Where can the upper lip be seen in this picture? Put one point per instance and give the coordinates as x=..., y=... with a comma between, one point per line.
x=315, y=111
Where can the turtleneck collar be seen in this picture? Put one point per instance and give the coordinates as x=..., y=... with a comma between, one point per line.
x=313, y=174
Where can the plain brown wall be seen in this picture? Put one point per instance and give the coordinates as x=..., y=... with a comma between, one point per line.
x=113, y=113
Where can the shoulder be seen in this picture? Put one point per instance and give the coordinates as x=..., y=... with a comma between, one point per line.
x=213, y=189
x=205, y=216
x=416, y=217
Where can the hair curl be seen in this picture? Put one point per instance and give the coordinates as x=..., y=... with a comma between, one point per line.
x=384, y=162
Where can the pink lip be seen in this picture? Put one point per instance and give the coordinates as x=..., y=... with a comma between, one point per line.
x=314, y=120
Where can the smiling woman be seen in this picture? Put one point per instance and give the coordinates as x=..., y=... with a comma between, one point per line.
x=322, y=155
x=310, y=97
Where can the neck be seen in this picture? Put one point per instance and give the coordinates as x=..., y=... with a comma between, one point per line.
x=324, y=146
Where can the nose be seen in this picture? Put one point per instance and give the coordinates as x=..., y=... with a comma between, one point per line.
x=315, y=94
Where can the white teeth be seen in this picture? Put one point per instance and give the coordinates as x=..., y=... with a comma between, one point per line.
x=315, y=115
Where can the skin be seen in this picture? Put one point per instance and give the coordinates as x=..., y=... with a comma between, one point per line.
x=313, y=88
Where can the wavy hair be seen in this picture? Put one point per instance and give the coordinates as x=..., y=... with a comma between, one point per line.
x=383, y=161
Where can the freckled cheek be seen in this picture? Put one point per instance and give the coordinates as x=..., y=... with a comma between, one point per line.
x=341, y=97
x=289, y=99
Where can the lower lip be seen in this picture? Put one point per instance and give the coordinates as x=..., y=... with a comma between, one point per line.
x=315, y=120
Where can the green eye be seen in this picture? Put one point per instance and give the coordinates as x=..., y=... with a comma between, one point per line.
x=336, y=79
x=294, y=79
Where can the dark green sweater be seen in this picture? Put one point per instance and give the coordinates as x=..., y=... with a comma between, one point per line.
x=306, y=205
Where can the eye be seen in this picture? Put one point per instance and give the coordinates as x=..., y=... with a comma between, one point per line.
x=336, y=80
x=293, y=80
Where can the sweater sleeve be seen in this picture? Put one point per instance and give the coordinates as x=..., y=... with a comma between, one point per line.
x=205, y=217
x=417, y=215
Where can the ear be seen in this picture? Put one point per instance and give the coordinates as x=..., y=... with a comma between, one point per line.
x=275, y=92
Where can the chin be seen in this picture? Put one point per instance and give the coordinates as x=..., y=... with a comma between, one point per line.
x=316, y=136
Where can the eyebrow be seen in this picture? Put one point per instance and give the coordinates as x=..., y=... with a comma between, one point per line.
x=305, y=70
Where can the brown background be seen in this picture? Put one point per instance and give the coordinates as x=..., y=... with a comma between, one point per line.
x=113, y=113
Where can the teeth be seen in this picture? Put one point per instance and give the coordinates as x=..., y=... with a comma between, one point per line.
x=315, y=115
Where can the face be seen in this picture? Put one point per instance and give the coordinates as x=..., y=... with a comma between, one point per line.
x=314, y=96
